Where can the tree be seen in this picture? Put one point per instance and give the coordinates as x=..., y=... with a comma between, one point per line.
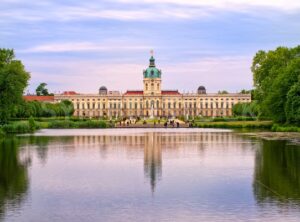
x=293, y=104
x=13, y=81
x=222, y=92
x=244, y=91
x=246, y=109
x=41, y=90
x=274, y=73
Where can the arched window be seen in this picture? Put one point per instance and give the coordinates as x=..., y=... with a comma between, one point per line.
x=157, y=86
x=152, y=86
x=157, y=104
x=146, y=86
x=152, y=73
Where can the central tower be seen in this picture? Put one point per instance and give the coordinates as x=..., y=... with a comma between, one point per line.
x=152, y=78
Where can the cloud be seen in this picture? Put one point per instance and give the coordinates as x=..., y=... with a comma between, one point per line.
x=111, y=46
x=142, y=10
x=227, y=5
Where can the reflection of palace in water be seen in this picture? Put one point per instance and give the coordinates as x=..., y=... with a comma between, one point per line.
x=153, y=145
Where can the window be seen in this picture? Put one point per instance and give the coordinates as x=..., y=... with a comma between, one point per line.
x=146, y=86
x=152, y=104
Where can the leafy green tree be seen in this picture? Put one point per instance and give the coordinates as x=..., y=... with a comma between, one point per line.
x=222, y=92
x=244, y=91
x=274, y=73
x=40, y=109
x=246, y=109
x=293, y=104
x=13, y=81
x=41, y=90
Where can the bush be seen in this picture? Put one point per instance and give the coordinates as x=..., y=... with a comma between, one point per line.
x=32, y=125
x=278, y=128
x=65, y=124
x=16, y=127
x=61, y=124
x=91, y=124
x=241, y=124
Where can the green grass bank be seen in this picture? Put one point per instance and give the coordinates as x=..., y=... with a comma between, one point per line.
x=235, y=124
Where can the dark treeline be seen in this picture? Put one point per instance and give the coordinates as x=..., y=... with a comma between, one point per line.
x=40, y=109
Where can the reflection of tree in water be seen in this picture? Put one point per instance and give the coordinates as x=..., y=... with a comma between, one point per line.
x=277, y=172
x=13, y=175
x=152, y=158
x=42, y=144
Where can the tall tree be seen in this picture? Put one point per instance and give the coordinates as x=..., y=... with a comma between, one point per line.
x=41, y=90
x=13, y=81
x=274, y=73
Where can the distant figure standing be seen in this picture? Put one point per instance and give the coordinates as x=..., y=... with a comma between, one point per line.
x=165, y=124
x=177, y=124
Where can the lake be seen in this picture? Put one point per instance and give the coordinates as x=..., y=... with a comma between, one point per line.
x=148, y=175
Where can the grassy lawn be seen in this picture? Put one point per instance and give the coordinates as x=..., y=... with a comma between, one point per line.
x=235, y=124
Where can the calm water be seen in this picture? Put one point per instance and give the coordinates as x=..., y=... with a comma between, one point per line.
x=148, y=175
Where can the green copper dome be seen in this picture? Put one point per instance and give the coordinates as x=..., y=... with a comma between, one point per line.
x=152, y=71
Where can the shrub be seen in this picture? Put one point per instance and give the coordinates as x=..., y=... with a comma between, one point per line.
x=278, y=128
x=61, y=124
x=32, y=125
x=16, y=127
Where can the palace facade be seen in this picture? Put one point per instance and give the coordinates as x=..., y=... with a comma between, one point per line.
x=152, y=101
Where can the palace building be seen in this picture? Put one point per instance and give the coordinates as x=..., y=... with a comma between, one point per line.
x=152, y=101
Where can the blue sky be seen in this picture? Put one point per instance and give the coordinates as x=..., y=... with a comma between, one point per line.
x=81, y=45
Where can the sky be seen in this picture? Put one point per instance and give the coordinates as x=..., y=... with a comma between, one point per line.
x=82, y=45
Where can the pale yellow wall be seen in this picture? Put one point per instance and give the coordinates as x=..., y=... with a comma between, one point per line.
x=152, y=86
x=192, y=105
